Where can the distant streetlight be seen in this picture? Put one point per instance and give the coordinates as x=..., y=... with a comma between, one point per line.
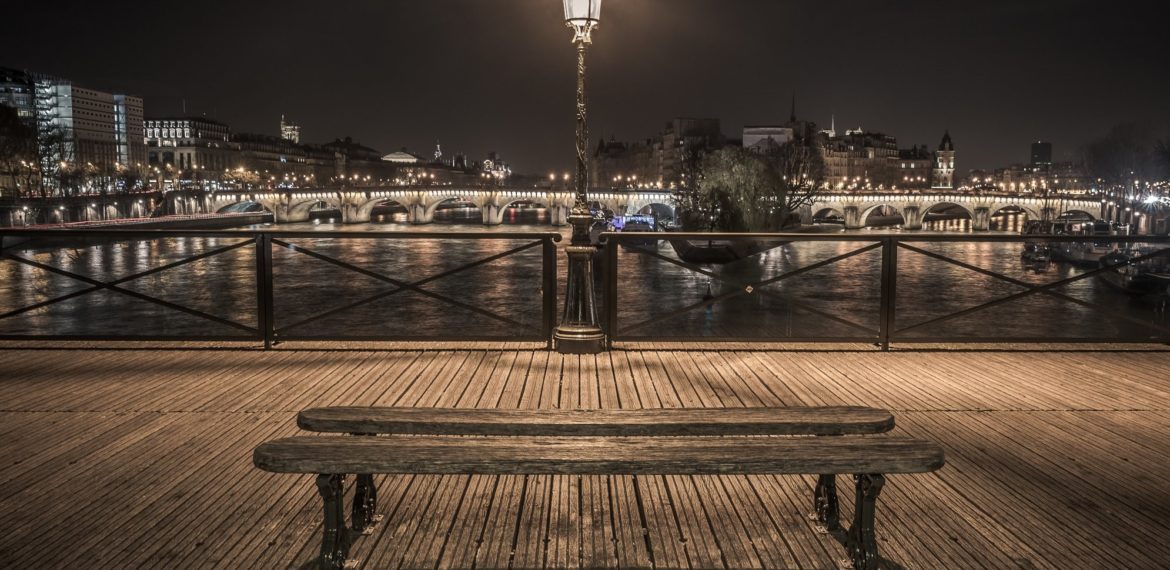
x=579, y=332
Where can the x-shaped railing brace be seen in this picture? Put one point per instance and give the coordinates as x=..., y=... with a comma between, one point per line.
x=114, y=286
x=1033, y=289
x=401, y=286
x=745, y=288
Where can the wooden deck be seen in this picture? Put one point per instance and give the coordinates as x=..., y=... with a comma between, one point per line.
x=140, y=458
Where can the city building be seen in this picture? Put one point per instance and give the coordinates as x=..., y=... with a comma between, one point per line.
x=290, y=131
x=942, y=177
x=914, y=168
x=1040, y=176
x=129, y=129
x=76, y=125
x=1041, y=153
x=659, y=161
x=403, y=157
x=277, y=159
x=190, y=143
x=16, y=91
x=859, y=159
x=616, y=164
x=762, y=139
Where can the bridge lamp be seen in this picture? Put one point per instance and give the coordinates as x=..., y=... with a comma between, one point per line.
x=579, y=332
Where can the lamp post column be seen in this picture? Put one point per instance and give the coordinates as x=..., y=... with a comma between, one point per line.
x=579, y=332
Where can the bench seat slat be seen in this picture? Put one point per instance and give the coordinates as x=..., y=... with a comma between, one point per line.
x=597, y=455
x=841, y=420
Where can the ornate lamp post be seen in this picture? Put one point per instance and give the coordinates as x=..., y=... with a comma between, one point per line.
x=579, y=332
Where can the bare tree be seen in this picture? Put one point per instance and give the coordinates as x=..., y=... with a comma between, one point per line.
x=743, y=190
x=1162, y=154
x=53, y=172
x=17, y=152
x=1122, y=155
x=800, y=166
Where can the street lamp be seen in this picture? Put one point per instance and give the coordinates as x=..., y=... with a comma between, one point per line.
x=579, y=332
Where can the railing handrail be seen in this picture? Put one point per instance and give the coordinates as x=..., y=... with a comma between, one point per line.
x=364, y=234
x=874, y=237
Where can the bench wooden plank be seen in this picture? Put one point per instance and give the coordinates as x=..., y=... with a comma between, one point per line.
x=840, y=420
x=597, y=455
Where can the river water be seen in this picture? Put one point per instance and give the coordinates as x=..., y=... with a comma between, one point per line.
x=313, y=297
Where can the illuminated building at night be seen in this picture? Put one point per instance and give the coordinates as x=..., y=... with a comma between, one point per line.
x=77, y=124
x=187, y=143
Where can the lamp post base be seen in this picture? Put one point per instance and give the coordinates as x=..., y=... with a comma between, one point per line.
x=579, y=332
x=571, y=339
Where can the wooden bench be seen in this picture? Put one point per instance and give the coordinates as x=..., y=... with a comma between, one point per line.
x=827, y=421
x=659, y=422
x=869, y=459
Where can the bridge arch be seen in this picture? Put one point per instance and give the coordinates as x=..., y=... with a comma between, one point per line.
x=823, y=212
x=1087, y=214
x=433, y=202
x=660, y=209
x=242, y=207
x=1030, y=211
x=869, y=209
x=659, y=202
x=947, y=205
x=366, y=210
x=494, y=214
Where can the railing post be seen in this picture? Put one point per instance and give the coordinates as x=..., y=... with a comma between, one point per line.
x=264, y=305
x=548, y=311
x=889, y=291
x=611, y=292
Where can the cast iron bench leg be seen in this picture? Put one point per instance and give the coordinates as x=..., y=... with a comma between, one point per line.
x=365, y=515
x=365, y=505
x=335, y=539
x=825, y=504
x=861, y=542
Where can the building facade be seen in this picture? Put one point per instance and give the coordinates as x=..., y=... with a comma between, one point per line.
x=17, y=91
x=1041, y=153
x=914, y=168
x=189, y=143
x=290, y=131
x=661, y=161
x=942, y=177
x=763, y=139
x=76, y=126
x=859, y=159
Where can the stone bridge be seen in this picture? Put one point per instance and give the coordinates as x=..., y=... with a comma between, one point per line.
x=357, y=204
x=856, y=208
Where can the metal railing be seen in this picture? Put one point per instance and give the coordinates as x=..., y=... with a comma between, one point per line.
x=308, y=285
x=766, y=296
x=273, y=286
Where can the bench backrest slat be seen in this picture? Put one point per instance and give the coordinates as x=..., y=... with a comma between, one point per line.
x=839, y=420
x=597, y=455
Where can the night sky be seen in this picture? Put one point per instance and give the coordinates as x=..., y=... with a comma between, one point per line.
x=481, y=75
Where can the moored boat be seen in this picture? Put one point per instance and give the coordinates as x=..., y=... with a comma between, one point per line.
x=636, y=223
x=718, y=251
x=1083, y=253
x=1135, y=272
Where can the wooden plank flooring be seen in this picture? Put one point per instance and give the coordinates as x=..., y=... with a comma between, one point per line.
x=141, y=458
